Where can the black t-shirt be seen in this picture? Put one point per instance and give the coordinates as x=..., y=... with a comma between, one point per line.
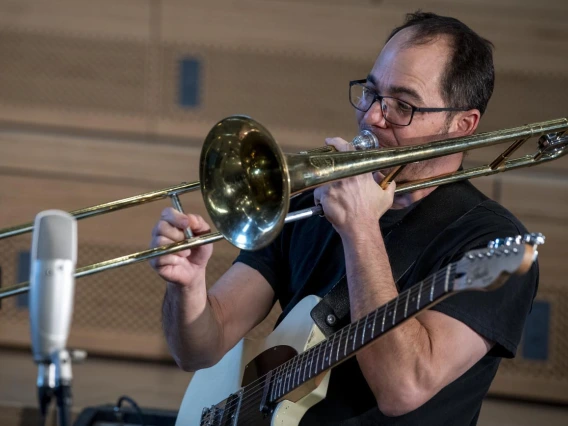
x=308, y=258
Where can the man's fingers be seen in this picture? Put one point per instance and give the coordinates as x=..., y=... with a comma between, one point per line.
x=166, y=260
x=339, y=144
x=391, y=188
x=175, y=218
x=198, y=225
x=165, y=229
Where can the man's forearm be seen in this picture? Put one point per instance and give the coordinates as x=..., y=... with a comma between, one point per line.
x=190, y=324
x=393, y=365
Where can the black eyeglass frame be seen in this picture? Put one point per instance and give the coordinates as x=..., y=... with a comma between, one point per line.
x=379, y=98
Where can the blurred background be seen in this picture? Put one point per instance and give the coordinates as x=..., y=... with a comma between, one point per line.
x=102, y=100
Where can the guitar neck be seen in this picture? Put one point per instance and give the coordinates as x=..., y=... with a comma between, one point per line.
x=345, y=343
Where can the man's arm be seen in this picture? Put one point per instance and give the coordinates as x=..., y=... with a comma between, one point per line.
x=201, y=326
x=411, y=363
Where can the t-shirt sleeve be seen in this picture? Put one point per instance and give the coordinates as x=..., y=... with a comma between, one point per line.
x=498, y=315
x=264, y=261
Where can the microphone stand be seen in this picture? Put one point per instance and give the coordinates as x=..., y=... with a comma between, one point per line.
x=45, y=387
x=63, y=377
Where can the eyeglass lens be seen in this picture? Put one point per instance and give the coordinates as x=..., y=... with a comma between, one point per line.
x=395, y=111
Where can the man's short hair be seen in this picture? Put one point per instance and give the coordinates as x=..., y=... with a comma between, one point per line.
x=469, y=76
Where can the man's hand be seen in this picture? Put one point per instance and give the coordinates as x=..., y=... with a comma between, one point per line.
x=353, y=205
x=185, y=266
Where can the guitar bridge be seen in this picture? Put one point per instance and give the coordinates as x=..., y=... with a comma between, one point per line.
x=223, y=415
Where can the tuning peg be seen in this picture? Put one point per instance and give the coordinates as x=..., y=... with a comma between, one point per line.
x=500, y=242
x=497, y=242
x=534, y=239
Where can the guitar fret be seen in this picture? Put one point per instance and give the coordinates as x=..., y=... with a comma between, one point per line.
x=282, y=379
x=364, y=328
x=293, y=371
x=335, y=337
x=447, y=278
x=346, y=339
x=289, y=375
x=287, y=379
x=295, y=362
x=306, y=366
x=419, y=296
x=299, y=368
x=316, y=363
x=274, y=385
x=384, y=317
x=324, y=358
x=313, y=350
x=329, y=357
x=374, y=323
x=339, y=345
x=355, y=335
x=395, y=306
x=432, y=290
x=406, y=304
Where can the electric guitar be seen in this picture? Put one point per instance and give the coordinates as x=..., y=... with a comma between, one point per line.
x=276, y=380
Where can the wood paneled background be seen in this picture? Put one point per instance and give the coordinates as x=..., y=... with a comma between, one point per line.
x=90, y=112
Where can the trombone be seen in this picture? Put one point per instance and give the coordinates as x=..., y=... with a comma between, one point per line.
x=247, y=181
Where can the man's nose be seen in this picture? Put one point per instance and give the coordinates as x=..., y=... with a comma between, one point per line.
x=375, y=115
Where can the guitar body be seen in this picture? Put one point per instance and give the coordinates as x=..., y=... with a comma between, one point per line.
x=251, y=359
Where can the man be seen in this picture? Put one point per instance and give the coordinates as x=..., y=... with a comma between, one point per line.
x=432, y=80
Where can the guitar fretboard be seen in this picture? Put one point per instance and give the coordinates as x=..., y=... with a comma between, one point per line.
x=344, y=343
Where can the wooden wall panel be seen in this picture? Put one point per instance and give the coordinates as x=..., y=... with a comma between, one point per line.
x=115, y=160
x=530, y=33
x=122, y=19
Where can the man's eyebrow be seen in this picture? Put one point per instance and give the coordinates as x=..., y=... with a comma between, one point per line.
x=396, y=90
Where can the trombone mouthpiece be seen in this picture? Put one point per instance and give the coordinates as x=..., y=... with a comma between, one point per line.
x=365, y=140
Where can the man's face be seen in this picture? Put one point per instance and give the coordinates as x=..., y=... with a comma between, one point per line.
x=412, y=74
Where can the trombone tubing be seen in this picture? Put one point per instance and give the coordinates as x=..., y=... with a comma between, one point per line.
x=111, y=206
x=308, y=171
x=131, y=259
x=529, y=160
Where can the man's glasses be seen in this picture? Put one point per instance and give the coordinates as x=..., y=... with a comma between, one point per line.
x=395, y=111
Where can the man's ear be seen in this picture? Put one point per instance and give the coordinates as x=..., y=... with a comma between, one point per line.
x=466, y=122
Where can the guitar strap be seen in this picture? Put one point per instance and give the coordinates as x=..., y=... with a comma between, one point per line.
x=404, y=244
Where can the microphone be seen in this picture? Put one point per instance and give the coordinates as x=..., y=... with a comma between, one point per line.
x=52, y=285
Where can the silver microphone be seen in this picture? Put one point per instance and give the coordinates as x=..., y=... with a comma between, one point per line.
x=52, y=287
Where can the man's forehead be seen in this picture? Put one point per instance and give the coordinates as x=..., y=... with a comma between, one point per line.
x=409, y=66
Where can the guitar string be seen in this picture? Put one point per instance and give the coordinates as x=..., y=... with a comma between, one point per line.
x=259, y=384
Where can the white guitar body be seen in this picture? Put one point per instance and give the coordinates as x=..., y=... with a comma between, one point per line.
x=212, y=385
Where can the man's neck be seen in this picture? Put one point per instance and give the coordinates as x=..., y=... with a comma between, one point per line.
x=404, y=200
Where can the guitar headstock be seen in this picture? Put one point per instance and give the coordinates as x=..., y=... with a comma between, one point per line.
x=489, y=268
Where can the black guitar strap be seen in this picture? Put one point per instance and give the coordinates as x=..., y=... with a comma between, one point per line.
x=404, y=244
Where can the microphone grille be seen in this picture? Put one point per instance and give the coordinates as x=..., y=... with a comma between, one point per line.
x=55, y=236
